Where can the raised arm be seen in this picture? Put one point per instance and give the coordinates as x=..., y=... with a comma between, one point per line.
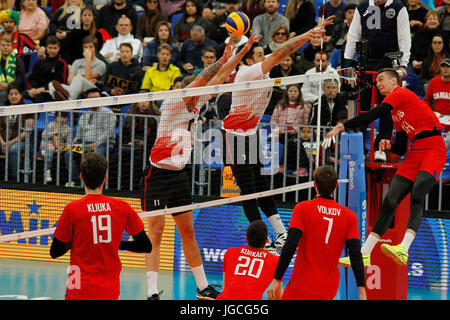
x=293, y=44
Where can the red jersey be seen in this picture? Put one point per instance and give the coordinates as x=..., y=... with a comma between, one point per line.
x=326, y=225
x=410, y=113
x=439, y=92
x=248, y=273
x=94, y=226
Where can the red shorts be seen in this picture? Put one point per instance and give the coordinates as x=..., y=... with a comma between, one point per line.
x=427, y=154
x=290, y=293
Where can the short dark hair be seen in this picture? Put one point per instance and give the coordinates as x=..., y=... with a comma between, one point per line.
x=93, y=169
x=53, y=40
x=392, y=73
x=126, y=44
x=325, y=178
x=250, y=52
x=90, y=39
x=257, y=234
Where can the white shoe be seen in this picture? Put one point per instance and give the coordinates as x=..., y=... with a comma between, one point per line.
x=280, y=240
x=270, y=247
x=48, y=175
x=379, y=156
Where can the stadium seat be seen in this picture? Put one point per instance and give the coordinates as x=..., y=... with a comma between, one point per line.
x=282, y=7
x=174, y=20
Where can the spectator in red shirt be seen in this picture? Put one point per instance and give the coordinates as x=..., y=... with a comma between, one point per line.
x=92, y=229
x=320, y=228
x=248, y=270
x=438, y=97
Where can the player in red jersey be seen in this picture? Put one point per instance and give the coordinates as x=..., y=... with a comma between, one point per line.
x=92, y=228
x=414, y=120
x=320, y=228
x=248, y=270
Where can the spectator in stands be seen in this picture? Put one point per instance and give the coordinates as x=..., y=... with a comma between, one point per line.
x=333, y=103
x=235, y=41
x=192, y=15
x=45, y=70
x=54, y=137
x=416, y=13
x=75, y=36
x=162, y=35
x=279, y=35
x=301, y=15
x=264, y=24
x=144, y=129
x=218, y=32
x=444, y=17
x=90, y=67
x=169, y=8
x=161, y=76
x=125, y=75
x=146, y=27
x=12, y=71
x=213, y=8
x=438, y=51
x=209, y=56
x=110, y=49
x=292, y=110
x=437, y=97
x=253, y=8
x=341, y=29
x=96, y=132
x=191, y=51
x=310, y=89
x=33, y=20
x=421, y=41
x=109, y=14
x=22, y=43
x=332, y=8
x=306, y=59
x=9, y=140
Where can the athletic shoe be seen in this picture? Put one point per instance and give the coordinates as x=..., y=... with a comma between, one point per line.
x=48, y=175
x=379, y=156
x=155, y=296
x=280, y=240
x=72, y=185
x=209, y=293
x=270, y=247
x=60, y=93
x=396, y=253
x=345, y=261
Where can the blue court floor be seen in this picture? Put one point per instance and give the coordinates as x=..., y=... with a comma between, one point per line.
x=32, y=280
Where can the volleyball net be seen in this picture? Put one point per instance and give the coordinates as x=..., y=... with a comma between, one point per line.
x=39, y=166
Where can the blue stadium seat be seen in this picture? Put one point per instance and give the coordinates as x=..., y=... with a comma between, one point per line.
x=282, y=7
x=174, y=20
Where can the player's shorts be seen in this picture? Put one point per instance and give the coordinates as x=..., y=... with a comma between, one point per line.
x=290, y=293
x=165, y=188
x=427, y=154
x=241, y=149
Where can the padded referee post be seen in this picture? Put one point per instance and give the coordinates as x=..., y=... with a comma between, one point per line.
x=353, y=196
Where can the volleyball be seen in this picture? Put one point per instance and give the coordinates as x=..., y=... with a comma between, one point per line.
x=237, y=23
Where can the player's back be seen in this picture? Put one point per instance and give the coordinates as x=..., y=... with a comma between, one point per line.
x=248, y=273
x=326, y=225
x=95, y=225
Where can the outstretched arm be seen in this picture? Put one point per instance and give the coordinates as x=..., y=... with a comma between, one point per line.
x=293, y=44
x=231, y=64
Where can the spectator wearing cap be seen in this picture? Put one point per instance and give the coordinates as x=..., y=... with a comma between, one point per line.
x=264, y=24
x=161, y=76
x=218, y=31
x=437, y=97
x=191, y=51
x=110, y=49
x=22, y=43
x=109, y=14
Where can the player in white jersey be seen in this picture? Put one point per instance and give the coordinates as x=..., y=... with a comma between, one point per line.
x=241, y=129
x=166, y=183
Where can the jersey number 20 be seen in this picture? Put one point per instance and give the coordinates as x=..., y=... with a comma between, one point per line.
x=103, y=224
x=249, y=266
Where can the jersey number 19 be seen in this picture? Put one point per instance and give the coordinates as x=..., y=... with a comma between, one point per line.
x=103, y=224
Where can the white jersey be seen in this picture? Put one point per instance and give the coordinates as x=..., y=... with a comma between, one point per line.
x=174, y=139
x=247, y=106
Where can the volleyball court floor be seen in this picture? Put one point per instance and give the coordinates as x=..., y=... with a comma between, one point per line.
x=36, y=280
